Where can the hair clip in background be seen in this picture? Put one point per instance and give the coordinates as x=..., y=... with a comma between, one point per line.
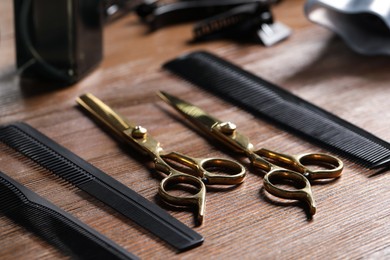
x=158, y=14
x=234, y=19
x=249, y=21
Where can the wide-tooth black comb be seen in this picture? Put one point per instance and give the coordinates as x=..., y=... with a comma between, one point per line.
x=58, y=228
x=281, y=107
x=62, y=162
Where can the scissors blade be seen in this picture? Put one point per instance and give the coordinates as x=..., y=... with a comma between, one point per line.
x=193, y=113
x=209, y=125
x=104, y=114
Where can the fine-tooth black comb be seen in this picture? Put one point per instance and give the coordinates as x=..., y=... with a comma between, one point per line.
x=281, y=107
x=65, y=164
x=58, y=228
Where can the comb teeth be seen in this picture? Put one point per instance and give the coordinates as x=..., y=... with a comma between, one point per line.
x=205, y=29
x=244, y=17
x=280, y=107
x=57, y=227
x=65, y=164
x=44, y=156
x=10, y=196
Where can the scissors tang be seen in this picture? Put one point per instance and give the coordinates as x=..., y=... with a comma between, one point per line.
x=175, y=177
x=329, y=166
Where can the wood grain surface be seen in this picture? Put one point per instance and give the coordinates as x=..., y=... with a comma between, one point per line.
x=352, y=220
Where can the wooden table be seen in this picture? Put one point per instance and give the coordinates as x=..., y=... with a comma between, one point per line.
x=352, y=219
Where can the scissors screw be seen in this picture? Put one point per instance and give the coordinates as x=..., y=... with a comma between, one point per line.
x=227, y=128
x=139, y=132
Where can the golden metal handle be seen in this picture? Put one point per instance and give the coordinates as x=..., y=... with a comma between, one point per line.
x=211, y=170
x=303, y=194
x=221, y=171
x=176, y=177
x=331, y=167
x=198, y=199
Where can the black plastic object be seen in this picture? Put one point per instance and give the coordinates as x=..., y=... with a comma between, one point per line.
x=62, y=162
x=58, y=40
x=241, y=21
x=55, y=226
x=281, y=107
x=159, y=15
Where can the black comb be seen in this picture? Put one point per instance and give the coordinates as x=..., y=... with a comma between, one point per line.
x=57, y=227
x=281, y=107
x=62, y=162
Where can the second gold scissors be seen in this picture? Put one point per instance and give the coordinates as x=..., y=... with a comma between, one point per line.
x=278, y=166
x=139, y=138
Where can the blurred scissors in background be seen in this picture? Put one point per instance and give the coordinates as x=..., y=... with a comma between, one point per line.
x=278, y=167
x=138, y=137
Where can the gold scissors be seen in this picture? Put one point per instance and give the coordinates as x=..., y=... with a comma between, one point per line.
x=292, y=169
x=139, y=138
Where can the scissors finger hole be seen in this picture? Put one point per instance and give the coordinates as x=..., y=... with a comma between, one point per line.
x=287, y=181
x=315, y=162
x=222, y=171
x=222, y=167
x=179, y=165
x=181, y=187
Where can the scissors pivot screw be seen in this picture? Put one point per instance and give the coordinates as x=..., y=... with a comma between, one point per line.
x=139, y=132
x=227, y=128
